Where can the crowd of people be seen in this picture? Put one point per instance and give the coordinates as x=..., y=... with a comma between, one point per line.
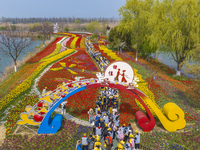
x=105, y=118
x=106, y=126
x=101, y=60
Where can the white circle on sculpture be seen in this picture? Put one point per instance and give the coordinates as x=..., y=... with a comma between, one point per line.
x=119, y=71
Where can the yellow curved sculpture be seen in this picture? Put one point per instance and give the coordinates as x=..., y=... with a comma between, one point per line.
x=175, y=115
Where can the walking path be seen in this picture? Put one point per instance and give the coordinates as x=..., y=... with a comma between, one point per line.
x=72, y=118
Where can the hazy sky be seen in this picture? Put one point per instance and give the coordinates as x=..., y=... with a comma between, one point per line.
x=60, y=8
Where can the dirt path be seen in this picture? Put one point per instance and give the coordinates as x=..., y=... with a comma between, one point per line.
x=2, y=133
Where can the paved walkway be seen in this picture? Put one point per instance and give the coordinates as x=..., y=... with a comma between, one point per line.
x=72, y=118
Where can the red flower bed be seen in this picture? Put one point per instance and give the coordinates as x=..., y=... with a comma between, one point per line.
x=96, y=46
x=82, y=61
x=81, y=49
x=45, y=52
x=128, y=108
x=80, y=103
x=69, y=42
x=78, y=43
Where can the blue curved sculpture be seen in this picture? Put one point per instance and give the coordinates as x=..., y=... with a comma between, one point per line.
x=50, y=125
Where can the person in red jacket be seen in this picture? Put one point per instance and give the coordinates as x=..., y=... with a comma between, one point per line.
x=108, y=142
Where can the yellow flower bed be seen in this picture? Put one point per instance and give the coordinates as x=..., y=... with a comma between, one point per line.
x=27, y=83
x=82, y=43
x=56, y=51
x=143, y=86
x=73, y=43
x=110, y=53
x=72, y=72
x=67, y=34
x=60, y=55
x=56, y=69
x=72, y=65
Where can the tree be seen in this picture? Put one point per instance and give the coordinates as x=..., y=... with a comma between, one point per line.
x=77, y=22
x=119, y=38
x=194, y=68
x=146, y=50
x=66, y=29
x=92, y=26
x=13, y=28
x=176, y=26
x=13, y=47
x=135, y=16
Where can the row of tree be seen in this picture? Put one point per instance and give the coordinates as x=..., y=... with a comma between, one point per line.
x=44, y=28
x=95, y=27
x=54, y=20
x=172, y=27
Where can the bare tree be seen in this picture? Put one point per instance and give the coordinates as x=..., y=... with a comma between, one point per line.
x=12, y=47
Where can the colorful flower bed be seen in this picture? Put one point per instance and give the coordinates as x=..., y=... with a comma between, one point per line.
x=29, y=71
x=82, y=43
x=80, y=59
x=28, y=82
x=14, y=114
x=174, y=140
x=73, y=43
x=56, y=51
x=45, y=52
x=66, y=138
x=77, y=45
x=14, y=81
x=68, y=43
x=79, y=104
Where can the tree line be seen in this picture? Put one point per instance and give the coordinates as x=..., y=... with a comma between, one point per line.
x=170, y=27
x=54, y=20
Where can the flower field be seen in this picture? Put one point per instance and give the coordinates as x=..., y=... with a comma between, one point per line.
x=45, y=52
x=80, y=60
x=64, y=139
x=68, y=43
x=176, y=140
x=153, y=82
x=79, y=104
x=128, y=108
x=28, y=82
x=78, y=42
x=78, y=64
x=15, y=80
x=14, y=114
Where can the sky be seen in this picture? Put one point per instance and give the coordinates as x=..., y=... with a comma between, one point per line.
x=60, y=8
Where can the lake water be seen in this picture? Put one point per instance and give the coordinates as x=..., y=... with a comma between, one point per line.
x=168, y=60
x=8, y=61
